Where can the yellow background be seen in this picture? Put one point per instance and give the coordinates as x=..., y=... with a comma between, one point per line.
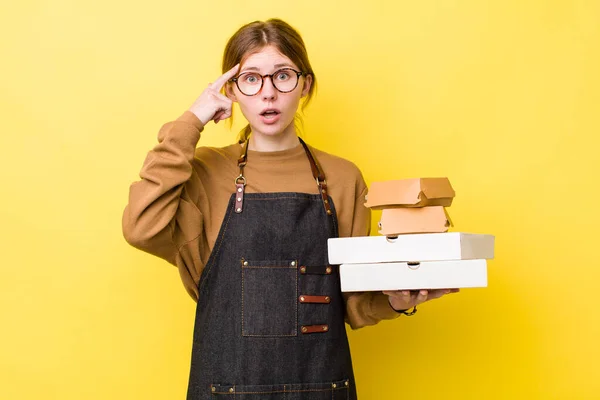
x=502, y=97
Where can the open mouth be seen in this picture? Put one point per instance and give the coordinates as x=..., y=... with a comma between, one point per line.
x=270, y=114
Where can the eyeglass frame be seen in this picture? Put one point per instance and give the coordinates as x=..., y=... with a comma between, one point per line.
x=262, y=80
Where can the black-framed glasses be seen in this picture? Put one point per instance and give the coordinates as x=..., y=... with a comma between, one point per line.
x=284, y=80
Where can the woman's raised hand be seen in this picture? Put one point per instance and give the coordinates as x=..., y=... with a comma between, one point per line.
x=212, y=105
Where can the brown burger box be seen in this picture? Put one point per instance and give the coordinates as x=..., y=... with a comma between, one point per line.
x=415, y=192
x=399, y=221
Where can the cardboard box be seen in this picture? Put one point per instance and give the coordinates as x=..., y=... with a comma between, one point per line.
x=418, y=192
x=398, y=221
x=405, y=276
x=411, y=247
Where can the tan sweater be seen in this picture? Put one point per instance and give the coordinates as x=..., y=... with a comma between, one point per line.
x=175, y=211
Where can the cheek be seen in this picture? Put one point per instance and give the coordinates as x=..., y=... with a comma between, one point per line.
x=294, y=103
x=248, y=108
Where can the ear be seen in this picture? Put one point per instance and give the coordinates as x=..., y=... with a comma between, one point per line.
x=230, y=91
x=308, y=79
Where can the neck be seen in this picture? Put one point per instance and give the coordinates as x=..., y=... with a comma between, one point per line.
x=282, y=141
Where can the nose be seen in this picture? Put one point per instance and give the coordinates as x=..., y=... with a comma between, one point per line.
x=268, y=90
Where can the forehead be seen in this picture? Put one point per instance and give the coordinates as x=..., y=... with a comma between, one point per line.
x=266, y=59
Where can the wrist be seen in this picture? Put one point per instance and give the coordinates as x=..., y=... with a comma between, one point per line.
x=191, y=118
x=405, y=311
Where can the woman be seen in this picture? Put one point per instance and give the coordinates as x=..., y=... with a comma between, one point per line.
x=247, y=226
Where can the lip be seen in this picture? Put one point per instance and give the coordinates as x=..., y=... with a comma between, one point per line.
x=278, y=111
x=271, y=120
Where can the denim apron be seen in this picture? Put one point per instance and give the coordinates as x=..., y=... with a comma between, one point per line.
x=270, y=314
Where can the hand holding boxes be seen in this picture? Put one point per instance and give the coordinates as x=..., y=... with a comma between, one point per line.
x=416, y=252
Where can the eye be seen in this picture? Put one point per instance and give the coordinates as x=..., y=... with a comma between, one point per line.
x=251, y=78
x=282, y=76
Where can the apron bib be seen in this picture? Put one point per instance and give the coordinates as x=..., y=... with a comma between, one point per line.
x=270, y=314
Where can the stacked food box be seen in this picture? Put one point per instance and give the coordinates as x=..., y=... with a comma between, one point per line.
x=415, y=251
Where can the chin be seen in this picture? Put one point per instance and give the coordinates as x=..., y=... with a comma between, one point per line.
x=272, y=130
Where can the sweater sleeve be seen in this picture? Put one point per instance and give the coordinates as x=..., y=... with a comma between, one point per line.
x=151, y=218
x=365, y=308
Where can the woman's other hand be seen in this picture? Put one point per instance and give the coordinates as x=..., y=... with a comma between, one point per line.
x=405, y=299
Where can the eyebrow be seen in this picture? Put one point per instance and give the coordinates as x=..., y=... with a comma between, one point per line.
x=275, y=66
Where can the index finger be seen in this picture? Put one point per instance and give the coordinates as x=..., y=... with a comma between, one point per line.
x=220, y=81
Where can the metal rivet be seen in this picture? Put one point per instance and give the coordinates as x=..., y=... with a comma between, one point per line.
x=328, y=212
x=304, y=329
x=245, y=262
x=334, y=385
x=301, y=298
x=239, y=210
x=327, y=299
x=293, y=263
x=322, y=190
x=302, y=270
x=328, y=270
x=239, y=189
x=214, y=389
x=346, y=383
x=325, y=327
x=230, y=390
x=239, y=199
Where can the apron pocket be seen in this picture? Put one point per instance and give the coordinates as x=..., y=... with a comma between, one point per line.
x=299, y=391
x=269, y=298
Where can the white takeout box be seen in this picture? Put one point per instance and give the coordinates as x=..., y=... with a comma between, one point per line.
x=411, y=276
x=411, y=247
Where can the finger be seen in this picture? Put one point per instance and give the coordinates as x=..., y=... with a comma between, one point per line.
x=399, y=294
x=218, y=97
x=222, y=97
x=218, y=84
x=222, y=103
x=220, y=115
x=223, y=115
x=226, y=114
x=422, y=296
x=448, y=291
x=434, y=294
x=217, y=116
x=406, y=297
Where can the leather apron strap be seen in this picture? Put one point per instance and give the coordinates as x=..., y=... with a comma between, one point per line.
x=317, y=172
